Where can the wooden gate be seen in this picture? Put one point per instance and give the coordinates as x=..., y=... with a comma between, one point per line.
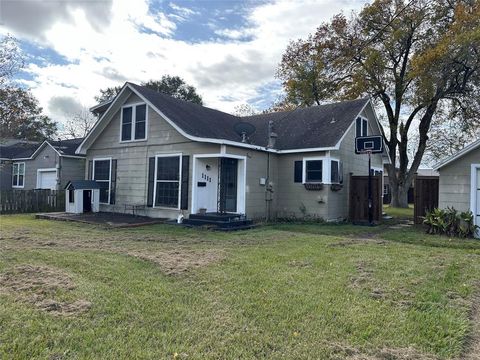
x=359, y=199
x=425, y=196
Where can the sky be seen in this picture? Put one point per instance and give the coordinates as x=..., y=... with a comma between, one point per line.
x=228, y=50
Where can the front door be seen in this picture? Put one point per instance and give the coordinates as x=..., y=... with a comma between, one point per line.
x=227, y=185
x=87, y=200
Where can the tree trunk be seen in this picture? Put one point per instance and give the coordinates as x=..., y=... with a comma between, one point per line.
x=400, y=196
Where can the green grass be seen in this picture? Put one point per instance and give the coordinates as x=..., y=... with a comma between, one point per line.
x=399, y=213
x=278, y=291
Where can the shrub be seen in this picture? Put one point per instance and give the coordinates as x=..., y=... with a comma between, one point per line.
x=450, y=222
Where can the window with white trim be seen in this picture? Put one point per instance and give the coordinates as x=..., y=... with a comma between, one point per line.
x=167, y=181
x=361, y=127
x=134, y=122
x=101, y=174
x=314, y=171
x=18, y=175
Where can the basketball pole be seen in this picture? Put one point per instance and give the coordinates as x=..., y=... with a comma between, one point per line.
x=370, y=208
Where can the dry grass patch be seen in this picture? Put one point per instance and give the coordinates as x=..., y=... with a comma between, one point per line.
x=345, y=352
x=176, y=262
x=40, y=286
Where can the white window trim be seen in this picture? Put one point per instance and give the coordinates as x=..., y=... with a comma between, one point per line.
x=47, y=170
x=109, y=176
x=18, y=174
x=361, y=127
x=180, y=155
x=326, y=169
x=134, y=120
x=473, y=194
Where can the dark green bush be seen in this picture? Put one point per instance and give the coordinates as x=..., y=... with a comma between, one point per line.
x=450, y=222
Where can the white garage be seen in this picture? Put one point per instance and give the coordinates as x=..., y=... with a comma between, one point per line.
x=47, y=179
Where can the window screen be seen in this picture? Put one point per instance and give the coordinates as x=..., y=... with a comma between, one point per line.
x=167, y=181
x=313, y=171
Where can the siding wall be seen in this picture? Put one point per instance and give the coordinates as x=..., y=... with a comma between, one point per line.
x=45, y=159
x=455, y=182
x=71, y=169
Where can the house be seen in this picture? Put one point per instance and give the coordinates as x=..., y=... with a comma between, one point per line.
x=387, y=190
x=47, y=165
x=172, y=156
x=459, y=184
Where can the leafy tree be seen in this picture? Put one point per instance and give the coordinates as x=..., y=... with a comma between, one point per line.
x=171, y=85
x=175, y=86
x=11, y=58
x=107, y=94
x=418, y=60
x=21, y=117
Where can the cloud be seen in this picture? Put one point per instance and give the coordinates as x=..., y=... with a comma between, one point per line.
x=32, y=18
x=64, y=106
x=135, y=42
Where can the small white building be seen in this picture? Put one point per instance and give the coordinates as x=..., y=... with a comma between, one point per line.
x=82, y=196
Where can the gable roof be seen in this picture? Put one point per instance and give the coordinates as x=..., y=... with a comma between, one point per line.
x=19, y=149
x=318, y=127
x=459, y=154
x=82, y=185
x=26, y=150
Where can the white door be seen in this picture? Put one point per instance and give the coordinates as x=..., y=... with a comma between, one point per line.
x=47, y=180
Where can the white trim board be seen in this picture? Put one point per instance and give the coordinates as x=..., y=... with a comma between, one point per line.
x=473, y=192
x=241, y=187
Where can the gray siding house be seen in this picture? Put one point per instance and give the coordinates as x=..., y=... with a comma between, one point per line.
x=459, y=184
x=46, y=165
x=178, y=157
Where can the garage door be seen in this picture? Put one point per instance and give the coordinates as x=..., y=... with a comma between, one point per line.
x=47, y=180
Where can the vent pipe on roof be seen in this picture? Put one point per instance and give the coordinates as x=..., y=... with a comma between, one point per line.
x=272, y=135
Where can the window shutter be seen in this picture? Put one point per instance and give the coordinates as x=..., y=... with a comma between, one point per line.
x=151, y=180
x=185, y=174
x=90, y=167
x=298, y=176
x=113, y=181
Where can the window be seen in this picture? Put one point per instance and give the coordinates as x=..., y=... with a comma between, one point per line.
x=167, y=181
x=386, y=189
x=361, y=127
x=134, y=123
x=336, y=172
x=101, y=174
x=313, y=171
x=18, y=175
x=71, y=196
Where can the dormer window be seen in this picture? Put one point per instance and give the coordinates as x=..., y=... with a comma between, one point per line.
x=134, y=122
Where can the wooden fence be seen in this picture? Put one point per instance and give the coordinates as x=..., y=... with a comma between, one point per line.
x=28, y=201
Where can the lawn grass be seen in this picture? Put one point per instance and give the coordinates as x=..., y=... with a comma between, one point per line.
x=278, y=291
x=399, y=213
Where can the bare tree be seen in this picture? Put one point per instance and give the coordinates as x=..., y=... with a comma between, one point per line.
x=79, y=124
x=244, y=110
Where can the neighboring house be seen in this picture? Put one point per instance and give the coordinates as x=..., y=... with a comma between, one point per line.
x=46, y=165
x=460, y=180
x=175, y=156
x=387, y=189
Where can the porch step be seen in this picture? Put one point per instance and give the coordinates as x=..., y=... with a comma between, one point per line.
x=219, y=221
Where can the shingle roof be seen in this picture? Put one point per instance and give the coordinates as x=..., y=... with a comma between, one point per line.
x=67, y=147
x=82, y=185
x=317, y=126
x=18, y=150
